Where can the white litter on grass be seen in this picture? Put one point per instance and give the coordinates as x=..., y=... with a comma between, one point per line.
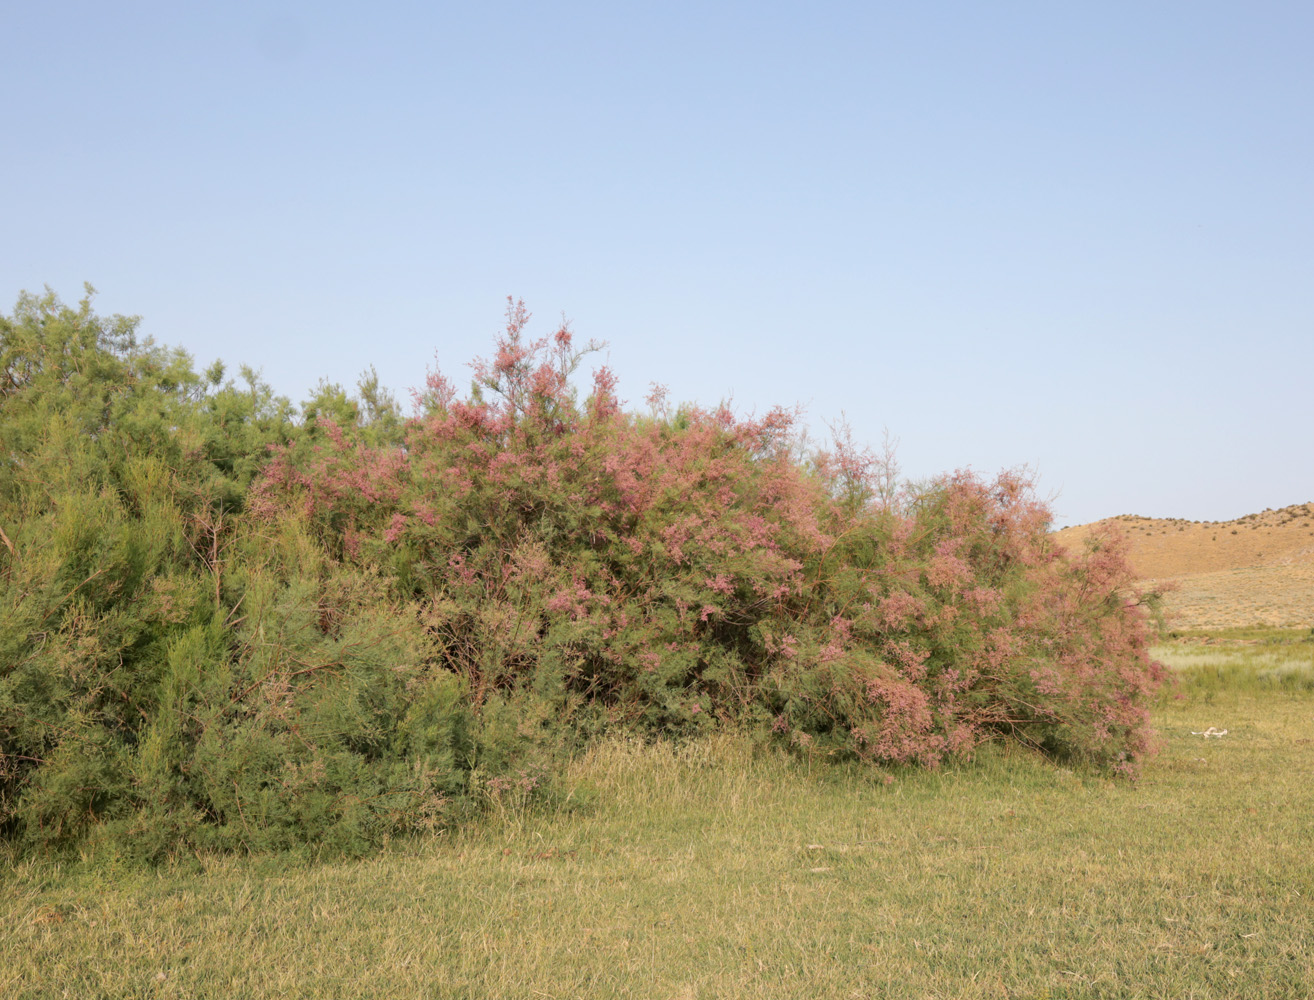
x=1211, y=731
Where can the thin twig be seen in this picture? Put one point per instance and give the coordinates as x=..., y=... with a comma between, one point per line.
x=238, y=799
x=229, y=620
x=70, y=594
x=22, y=756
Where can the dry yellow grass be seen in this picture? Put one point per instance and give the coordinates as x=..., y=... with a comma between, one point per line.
x=1256, y=570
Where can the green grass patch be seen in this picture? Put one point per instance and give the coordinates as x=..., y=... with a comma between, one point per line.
x=717, y=869
x=1205, y=670
x=1265, y=634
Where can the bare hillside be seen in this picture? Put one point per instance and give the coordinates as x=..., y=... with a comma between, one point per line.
x=1258, y=569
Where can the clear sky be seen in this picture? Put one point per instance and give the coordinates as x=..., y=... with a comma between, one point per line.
x=1078, y=237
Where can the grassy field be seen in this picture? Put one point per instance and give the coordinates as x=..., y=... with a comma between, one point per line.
x=717, y=870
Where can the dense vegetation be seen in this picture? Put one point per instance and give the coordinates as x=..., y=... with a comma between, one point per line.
x=229, y=623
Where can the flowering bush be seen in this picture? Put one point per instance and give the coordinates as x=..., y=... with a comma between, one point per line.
x=670, y=570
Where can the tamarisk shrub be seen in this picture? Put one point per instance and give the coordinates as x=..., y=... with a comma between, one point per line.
x=672, y=570
x=227, y=626
x=120, y=471
x=175, y=675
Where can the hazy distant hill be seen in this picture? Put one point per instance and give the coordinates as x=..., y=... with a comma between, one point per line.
x=1258, y=569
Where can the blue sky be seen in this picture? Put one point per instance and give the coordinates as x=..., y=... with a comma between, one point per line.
x=1078, y=237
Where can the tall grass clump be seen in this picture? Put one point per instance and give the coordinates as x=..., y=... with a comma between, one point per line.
x=226, y=623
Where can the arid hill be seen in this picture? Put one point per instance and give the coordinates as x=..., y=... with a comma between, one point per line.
x=1258, y=569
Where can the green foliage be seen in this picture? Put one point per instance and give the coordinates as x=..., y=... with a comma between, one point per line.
x=171, y=678
x=311, y=720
